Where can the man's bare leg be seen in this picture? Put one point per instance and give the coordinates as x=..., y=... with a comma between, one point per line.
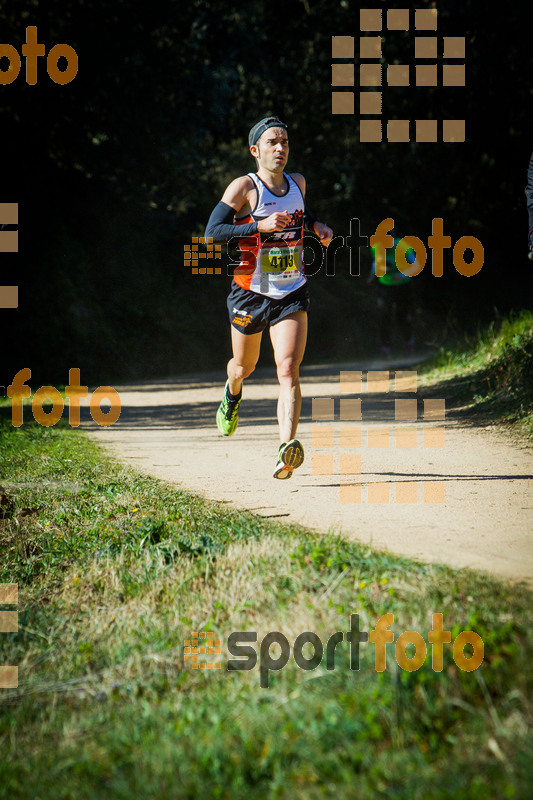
x=289, y=337
x=245, y=355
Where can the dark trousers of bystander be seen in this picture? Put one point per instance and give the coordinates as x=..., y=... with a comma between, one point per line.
x=395, y=304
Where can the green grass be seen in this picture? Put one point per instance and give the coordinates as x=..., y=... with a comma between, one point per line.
x=491, y=374
x=115, y=570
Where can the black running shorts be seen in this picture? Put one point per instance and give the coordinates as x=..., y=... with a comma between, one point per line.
x=250, y=312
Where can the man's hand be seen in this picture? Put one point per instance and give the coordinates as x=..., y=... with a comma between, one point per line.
x=324, y=233
x=274, y=223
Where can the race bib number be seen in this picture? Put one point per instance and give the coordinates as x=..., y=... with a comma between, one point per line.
x=284, y=262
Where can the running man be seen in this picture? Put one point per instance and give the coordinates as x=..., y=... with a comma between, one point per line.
x=264, y=212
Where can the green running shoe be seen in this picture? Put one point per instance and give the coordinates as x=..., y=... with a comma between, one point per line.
x=290, y=456
x=227, y=416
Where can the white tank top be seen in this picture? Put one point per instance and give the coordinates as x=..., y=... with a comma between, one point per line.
x=279, y=267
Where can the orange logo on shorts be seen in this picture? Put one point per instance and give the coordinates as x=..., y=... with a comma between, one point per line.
x=243, y=321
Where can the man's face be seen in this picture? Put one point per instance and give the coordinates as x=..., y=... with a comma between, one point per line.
x=272, y=149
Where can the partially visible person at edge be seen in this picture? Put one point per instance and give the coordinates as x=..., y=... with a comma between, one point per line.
x=395, y=297
x=529, y=196
x=266, y=210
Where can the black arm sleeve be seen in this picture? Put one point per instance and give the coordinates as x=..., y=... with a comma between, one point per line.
x=529, y=196
x=221, y=227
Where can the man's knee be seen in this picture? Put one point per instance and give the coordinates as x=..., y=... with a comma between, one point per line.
x=241, y=371
x=289, y=369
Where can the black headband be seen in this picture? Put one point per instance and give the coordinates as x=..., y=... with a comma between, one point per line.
x=258, y=130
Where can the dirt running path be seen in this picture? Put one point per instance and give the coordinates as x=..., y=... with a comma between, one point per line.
x=168, y=430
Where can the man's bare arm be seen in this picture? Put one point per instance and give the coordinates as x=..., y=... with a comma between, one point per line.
x=300, y=180
x=238, y=193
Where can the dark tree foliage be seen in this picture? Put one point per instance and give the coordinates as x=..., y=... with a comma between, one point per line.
x=116, y=171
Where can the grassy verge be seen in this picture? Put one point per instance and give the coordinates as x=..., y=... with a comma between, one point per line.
x=490, y=375
x=115, y=570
